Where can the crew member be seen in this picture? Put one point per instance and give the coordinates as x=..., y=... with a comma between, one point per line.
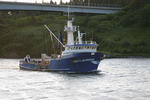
x=27, y=58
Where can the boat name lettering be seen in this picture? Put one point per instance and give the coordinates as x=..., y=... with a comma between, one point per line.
x=82, y=60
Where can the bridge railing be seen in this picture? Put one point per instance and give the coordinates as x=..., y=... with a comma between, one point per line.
x=86, y=5
x=70, y=4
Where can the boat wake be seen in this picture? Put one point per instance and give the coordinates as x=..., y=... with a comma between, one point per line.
x=9, y=64
x=16, y=67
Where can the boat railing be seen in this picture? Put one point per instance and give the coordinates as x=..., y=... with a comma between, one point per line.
x=33, y=61
x=86, y=42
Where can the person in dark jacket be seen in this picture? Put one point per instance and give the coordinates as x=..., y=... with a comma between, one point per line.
x=27, y=58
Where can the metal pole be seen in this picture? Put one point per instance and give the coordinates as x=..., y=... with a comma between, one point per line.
x=88, y=2
x=68, y=12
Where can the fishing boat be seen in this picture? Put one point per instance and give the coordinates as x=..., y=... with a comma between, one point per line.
x=77, y=57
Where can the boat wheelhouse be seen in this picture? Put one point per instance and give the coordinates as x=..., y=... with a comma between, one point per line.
x=80, y=48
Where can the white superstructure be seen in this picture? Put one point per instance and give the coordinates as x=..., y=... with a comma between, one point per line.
x=70, y=29
x=77, y=46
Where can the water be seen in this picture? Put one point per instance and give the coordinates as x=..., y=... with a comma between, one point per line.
x=120, y=79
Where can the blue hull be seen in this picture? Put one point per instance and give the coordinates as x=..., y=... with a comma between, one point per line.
x=74, y=63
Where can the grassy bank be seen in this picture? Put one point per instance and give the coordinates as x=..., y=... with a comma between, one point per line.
x=123, y=34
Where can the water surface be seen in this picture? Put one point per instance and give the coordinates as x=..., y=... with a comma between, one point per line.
x=120, y=79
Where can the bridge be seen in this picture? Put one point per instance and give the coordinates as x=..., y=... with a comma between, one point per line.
x=57, y=8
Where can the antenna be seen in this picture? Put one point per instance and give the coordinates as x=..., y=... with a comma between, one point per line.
x=68, y=11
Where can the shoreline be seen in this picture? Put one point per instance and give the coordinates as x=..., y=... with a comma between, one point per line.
x=106, y=57
x=125, y=56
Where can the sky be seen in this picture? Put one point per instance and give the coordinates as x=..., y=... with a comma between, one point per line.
x=33, y=1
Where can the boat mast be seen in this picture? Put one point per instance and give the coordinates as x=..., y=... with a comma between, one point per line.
x=79, y=36
x=68, y=12
x=70, y=29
